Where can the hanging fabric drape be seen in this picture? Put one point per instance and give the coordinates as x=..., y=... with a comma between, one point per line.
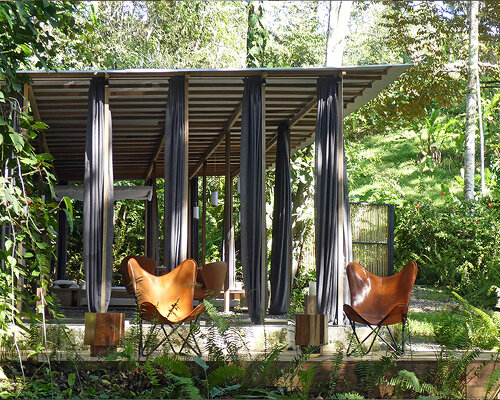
x=281, y=251
x=176, y=240
x=62, y=243
x=98, y=200
x=252, y=198
x=333, y=232
x=193, y=238
x=152, y=225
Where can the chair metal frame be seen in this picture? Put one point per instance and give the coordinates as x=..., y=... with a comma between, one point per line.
x=174, y=328
x=376, y=333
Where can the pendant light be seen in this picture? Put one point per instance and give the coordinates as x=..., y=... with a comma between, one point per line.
x=215, y=194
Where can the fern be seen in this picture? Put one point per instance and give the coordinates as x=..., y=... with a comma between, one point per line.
x=306, y=379
x=182, y=387
x=267, y=364
x=492, y=387
x=371, y=374
x=224, y=373
x=351, y=395
x=225, y=342
x=173, y=365
x=483, y=331
x=336, y=364
x=450, y=372
x=151, y=373
x=405, y=380
x=288, y=374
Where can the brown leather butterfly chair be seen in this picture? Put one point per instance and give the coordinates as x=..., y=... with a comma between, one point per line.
x=210, y=279
x=146, y=263
x=167, y=300
x=379, y=301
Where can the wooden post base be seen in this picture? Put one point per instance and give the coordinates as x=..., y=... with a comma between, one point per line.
x=96, y=351
x=310, y=306
x=103, y=332
x=311, y=329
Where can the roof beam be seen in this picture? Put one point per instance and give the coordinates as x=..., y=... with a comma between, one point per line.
x=159, y=148
x=34, y=108
x=230, y=122
x=291, y=122
x=295, y=119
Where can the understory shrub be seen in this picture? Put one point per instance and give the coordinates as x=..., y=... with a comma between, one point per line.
x=456, y=245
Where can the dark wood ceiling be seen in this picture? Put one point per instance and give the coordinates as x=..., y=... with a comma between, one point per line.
x=138, y=102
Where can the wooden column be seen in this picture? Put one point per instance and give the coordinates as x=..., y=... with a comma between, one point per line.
x=228, y=225
x=204, y=217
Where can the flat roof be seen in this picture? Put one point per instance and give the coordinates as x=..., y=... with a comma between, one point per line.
x=138, y=103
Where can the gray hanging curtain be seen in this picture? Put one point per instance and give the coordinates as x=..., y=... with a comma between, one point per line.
x=333, y=232
x=98, y=200
x=62, y=243
x=252, y=207
x=193, y=246
x=175, y=242
x=281, y=251
x=152, y=224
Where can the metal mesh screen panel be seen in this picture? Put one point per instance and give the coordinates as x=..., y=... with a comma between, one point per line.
x=372, y=233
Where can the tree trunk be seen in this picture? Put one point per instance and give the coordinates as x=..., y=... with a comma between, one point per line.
x=338, y=18
x=481, y=137
x=471, y=126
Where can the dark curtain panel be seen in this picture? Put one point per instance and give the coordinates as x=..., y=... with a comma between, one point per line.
x=251, y=188
x=62, y=243
x=333, y=237
x=152, y=224
x=281, y=251
x=175, y=244
x=193, y=246
x=98, y=200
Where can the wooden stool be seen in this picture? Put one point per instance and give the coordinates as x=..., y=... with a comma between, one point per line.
x=311, y=329
x=103, y=332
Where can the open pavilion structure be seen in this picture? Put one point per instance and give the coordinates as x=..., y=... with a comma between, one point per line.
x=184, y=124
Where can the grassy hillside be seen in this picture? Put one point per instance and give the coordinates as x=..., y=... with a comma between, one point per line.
x=396, y=166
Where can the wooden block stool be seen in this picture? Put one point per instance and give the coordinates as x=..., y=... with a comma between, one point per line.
x=311, y=329
x=103, y=332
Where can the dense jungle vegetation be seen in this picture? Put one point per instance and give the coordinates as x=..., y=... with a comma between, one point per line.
x=406, y=147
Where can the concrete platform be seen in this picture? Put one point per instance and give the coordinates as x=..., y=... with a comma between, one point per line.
x=65, y=339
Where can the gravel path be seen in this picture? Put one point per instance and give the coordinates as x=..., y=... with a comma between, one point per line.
x=424, y=299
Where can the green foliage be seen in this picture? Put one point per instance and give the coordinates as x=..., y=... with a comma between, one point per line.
x=492, y=387
x=406, y=383
x=28, y=222
x=225, y=342
x=372, y=373
x=336, y=363
x=436, y=236
x=256, y=36
x=120, y=35
x=448, y=380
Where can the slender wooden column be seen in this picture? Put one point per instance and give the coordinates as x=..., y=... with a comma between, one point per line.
x=204, y=217
x=228, y=225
